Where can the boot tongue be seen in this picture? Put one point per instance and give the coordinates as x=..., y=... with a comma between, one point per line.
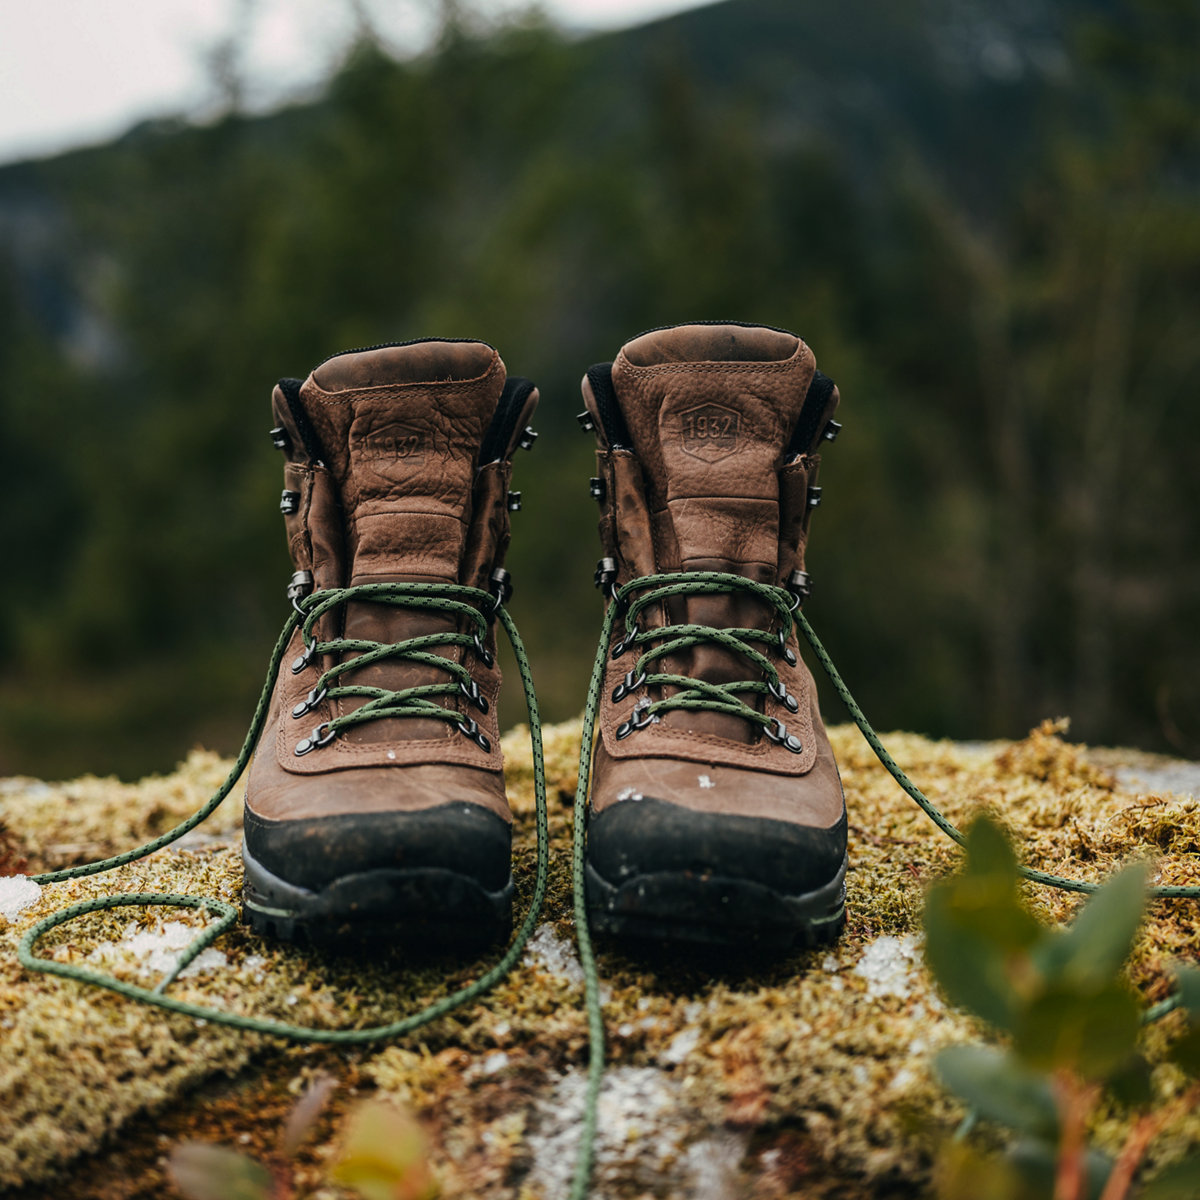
x=710, y=410
x=400, y=430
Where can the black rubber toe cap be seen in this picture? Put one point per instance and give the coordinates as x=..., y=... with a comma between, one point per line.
x=644, y=837
x=316, y=851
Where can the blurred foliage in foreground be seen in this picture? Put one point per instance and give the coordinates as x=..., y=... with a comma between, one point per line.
x=1074, y=1023
x=984, y=222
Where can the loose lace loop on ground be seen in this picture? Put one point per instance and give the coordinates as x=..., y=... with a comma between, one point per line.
x=452, y=599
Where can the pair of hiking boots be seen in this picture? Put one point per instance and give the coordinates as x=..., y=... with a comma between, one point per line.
x=375, y=803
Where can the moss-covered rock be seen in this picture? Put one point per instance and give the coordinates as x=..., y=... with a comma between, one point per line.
x=808, y=1076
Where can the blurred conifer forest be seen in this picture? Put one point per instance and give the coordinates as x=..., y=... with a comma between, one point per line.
x=984, y=218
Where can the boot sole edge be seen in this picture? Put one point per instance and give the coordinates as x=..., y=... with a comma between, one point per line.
x=690, y=908
x=429, y=906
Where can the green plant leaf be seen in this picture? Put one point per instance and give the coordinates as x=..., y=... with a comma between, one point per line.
x=1037, y=1163
x=989, y=851
x=1188, y=981
x=1091, y=952
x=1179, y=1181
x=1092, y=1034
x=384, y=1155
x=978, y=934
x=1000, y=1088
x=971, y=969
x=205, y=1172
x=1130, y=1083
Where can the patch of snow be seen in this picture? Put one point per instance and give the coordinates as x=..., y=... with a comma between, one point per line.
x=17, y=893
x=889, y=964
x=1179, y=779
x=711, y=1166
x=554, y=955
x=159, y=950
x=640, y=1130
x=830, y=964
x=253, y=965
x=706, y=782
x=629, y=794
x=493, y=1063
x=680, y=1046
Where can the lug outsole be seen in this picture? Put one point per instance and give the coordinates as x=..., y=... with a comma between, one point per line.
x=429, y=907
x=699, y=909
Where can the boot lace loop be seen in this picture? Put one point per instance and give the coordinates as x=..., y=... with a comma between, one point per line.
x=660, y=642
x=458, y=601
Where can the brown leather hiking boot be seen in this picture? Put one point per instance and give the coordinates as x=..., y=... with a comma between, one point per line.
x=716, y=810
x=375, y=803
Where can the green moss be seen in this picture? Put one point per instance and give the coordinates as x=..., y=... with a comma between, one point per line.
x=817, y=1073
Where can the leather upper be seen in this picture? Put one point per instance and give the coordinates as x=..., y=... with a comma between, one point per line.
x=707, y=482
x=383, y=448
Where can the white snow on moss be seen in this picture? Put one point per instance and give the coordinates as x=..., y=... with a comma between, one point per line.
x=158, y=950
x=554, y=955
x=889, y=965
x=17, y=893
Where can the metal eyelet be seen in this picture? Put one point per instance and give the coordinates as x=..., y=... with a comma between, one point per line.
x=631, y=683
x=777, y=732
x=298, y=664
x=786, y=652
x=471, y=729
x=315, y=739
x=309, y=702
x=780, y=692
x=482, y=652
x=638, y=719
x=471, y=693
x=299, y=586
x=627, y=641
x=800, y=584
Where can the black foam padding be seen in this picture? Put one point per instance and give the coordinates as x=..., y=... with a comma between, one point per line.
x=504, y=423
x=611, y=417
x=308, y=435
x=808, y=428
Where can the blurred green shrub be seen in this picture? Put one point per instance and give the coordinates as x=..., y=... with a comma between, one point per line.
x=1071, y=1022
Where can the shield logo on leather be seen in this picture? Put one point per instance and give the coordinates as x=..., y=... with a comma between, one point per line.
x=390, y=451
x=710, y=431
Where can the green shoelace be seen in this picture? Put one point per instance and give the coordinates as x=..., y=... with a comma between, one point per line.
x=629, y=602
x=470, y=604
x=455, y=601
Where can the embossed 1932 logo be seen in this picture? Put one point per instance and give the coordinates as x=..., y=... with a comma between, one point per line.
x=390, y=451
x=710, y=431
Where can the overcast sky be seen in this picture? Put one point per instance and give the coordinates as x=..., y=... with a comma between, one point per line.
x=73, y=72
